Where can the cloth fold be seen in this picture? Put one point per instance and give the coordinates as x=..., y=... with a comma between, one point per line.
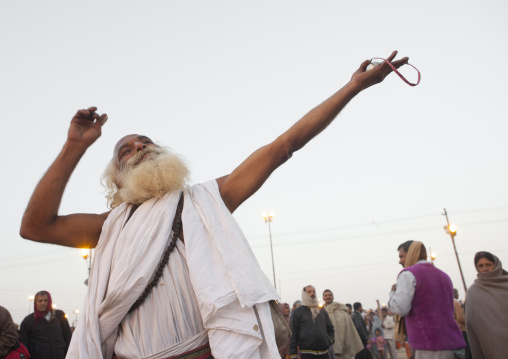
x=312, y=304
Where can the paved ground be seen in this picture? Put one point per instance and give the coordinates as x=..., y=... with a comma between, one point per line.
x=401, y=353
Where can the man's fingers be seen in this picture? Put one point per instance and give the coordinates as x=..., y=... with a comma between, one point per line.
x=392, y=56
x=364, y=65
x=92, y=109
x=400, y=62
x=102, y=119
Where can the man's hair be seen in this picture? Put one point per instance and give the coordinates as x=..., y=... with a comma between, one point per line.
x=349, y=305
x=41, y=294
x=405, y=246
x=108, y=180
x=486, y=255
x=298, y=302
x=307, y=286
x=384, y=309
x=327, y=290
x=357, y=305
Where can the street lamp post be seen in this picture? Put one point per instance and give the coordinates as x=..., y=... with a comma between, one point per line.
x=433, y=255
x=268, y=219
x=451, y=229
x=87, y=254
x=76, y=312
x=30, y=300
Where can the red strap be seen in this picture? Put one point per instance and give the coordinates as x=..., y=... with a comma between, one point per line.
x=398, y=73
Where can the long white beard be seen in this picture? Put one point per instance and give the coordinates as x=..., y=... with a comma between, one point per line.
x=159, y=173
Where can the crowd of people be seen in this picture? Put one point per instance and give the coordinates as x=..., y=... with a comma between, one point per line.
x=424, y=316
x=172, y=254
x=421, y=317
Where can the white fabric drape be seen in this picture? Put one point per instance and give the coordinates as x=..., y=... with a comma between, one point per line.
x=231, y=291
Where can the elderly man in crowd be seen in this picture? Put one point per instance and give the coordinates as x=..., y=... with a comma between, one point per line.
x=134, y=282
x=46, y=332
x=312, y=330
x=347, y=342
x=423, y=295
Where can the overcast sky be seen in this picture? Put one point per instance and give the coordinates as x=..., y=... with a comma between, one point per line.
x=215, y=80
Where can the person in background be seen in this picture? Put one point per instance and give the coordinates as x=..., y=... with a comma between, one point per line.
x=458, y=314
x=389, y=333
x=286, y=311
x=380, y=343
x=487, y=309
x=361, y=328
x=375, y=325
x=423, y=295
x=8, y=332
x=349, y=308
x=46, y=332
x=312, y=330
x=347, y=341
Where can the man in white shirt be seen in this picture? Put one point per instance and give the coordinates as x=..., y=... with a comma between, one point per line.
x=389, y=335
x=431, y=328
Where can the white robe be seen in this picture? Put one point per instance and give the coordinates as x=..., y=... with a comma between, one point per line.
x=231, y=291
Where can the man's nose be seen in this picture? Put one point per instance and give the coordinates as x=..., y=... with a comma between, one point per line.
x=138, y=146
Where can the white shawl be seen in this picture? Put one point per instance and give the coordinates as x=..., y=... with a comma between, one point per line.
x=231, y=289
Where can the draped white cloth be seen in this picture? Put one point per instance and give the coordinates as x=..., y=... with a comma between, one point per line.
x=229, y=288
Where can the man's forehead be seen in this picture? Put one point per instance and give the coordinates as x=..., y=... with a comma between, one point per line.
x=126, y=139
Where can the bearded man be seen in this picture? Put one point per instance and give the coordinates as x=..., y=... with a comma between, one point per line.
x=210, y=296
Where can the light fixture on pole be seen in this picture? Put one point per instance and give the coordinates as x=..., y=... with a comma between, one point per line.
x=87, y=254
x=76, y=312
x=268, y=219
x=30, y=300
x=433, y=255
x=451, y=229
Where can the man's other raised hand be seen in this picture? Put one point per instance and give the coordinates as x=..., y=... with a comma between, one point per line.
x=86, y=127
x=365, y=79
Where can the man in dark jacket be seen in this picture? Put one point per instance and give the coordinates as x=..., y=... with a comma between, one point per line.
x=46, y=332
x=311, y=328
x=362, y=331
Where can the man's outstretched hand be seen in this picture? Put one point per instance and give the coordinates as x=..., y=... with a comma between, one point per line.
x=376, y=75
x=86, y=126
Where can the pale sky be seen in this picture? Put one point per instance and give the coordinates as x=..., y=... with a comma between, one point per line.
x=215, y=80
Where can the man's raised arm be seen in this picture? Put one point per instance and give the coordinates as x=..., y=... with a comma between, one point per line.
x=247, y=178
x=41, y=221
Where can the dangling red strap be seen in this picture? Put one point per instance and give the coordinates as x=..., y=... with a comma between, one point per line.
x=398, y=73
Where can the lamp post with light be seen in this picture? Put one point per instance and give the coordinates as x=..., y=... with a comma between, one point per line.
x=451, y=229
x=268, y=219
x=76, y=312
x=30, y=300
x=87, y=254
x=433, y=255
